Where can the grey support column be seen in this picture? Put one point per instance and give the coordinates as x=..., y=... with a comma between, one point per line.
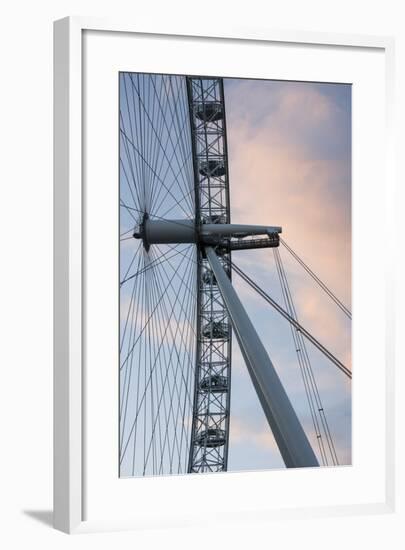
x=288, y=432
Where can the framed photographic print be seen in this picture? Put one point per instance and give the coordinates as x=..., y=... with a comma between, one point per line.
x=219, y=204
x=177, y=310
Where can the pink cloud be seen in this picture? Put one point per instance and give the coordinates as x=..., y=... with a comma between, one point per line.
x=282, y=173
x=278, y=179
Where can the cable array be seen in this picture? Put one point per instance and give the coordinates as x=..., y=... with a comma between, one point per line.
x=158, y=287
x=317, y=411
x=322, y=285
x=293, y=321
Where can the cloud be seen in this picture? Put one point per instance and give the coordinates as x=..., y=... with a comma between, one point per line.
x=289, y=157
x=279, y=177
x=249, y=433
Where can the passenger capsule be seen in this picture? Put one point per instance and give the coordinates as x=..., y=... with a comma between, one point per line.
x=216, y=329
x=215, y=218
x=212, y=437
x=209, y=278
x=212, y=168
x=215, y=383
x=209, y=111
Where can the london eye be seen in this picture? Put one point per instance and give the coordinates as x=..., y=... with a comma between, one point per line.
x=179, y=311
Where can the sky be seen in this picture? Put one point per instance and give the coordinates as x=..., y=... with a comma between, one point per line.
x=289, y=147
x=289, y=157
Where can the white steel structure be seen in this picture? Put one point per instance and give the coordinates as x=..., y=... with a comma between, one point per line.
x=176, y=335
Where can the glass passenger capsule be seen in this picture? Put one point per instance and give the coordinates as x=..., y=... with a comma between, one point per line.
x=209, y=278
x=212, y=437
x=209, y=111
x=215, y=218
x=215, y=329
x=214, y=383
x=212, y=168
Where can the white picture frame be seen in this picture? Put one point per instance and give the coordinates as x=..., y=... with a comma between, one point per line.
x=70, y=385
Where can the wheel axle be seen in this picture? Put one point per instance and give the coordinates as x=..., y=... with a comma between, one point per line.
x=213, y=234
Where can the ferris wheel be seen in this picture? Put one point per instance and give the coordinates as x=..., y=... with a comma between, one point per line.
x=178, y=308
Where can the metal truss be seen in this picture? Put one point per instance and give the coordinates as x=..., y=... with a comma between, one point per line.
x=210, y=422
